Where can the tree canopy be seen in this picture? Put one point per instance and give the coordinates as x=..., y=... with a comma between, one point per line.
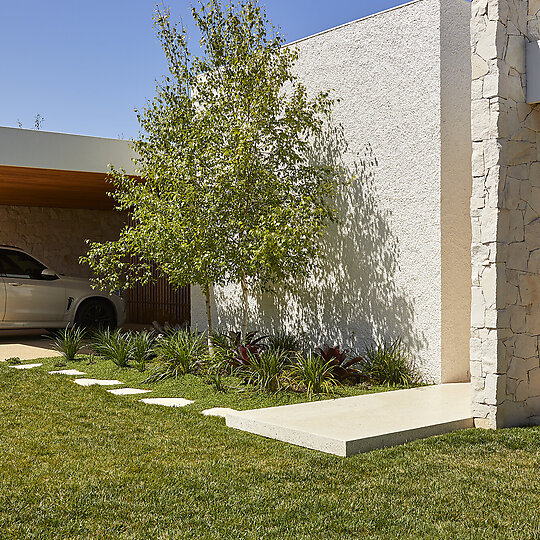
x=235, y=186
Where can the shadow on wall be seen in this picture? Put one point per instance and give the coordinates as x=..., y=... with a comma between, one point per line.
x=351, y=297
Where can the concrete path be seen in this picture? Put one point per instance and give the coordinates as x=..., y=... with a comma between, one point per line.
x=24, y=366
x=167, y=401
x=356, y=424
x=218, y=411
x=99, y=382
x=26, y=344
x=127, y=391
x=67, y=372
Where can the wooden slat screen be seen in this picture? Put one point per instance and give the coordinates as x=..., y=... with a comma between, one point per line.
x=158, y=301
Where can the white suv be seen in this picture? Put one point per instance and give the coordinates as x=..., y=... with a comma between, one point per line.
x=34, y=296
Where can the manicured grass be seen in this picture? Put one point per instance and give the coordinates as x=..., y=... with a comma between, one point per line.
x=82, y=463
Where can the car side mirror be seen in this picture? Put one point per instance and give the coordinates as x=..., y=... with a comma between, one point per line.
x=47, y=273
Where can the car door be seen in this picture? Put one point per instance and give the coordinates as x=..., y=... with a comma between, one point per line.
x=30, y=297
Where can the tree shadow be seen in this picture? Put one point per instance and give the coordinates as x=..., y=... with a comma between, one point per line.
x=350, y=297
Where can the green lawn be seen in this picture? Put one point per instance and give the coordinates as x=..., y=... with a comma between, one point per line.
x=82, y=463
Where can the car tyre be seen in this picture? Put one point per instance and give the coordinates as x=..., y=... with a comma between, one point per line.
x=96, y=313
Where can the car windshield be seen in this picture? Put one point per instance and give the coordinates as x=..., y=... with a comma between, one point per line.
x=15, y=264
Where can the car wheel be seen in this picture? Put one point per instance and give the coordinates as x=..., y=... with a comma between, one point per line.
x=96, y=313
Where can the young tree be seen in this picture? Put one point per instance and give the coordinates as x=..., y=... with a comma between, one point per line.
x=233, y=188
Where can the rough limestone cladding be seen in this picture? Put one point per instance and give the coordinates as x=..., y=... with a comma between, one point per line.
x=505, y=214
x=57, y=236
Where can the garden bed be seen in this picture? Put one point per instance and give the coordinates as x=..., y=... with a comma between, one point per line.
x=198, y=388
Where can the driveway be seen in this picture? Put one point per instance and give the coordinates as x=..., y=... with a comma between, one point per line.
x=26, y=344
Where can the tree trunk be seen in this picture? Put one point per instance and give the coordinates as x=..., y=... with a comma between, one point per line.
x=245, y=296
x=206, y=290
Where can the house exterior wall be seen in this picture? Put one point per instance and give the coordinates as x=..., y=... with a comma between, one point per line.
x=505, y=214
x=57, y=236
x=455, y=190
x=383, y=273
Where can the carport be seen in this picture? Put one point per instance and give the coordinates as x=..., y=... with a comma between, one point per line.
x=53, y=197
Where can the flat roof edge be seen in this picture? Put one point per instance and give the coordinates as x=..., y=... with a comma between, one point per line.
x=29, y=130
x=63, y=151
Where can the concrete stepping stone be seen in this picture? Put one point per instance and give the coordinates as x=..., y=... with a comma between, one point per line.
x=218, y=411
x=168, y=401
x=127, y=391
x=25, y=366
x=100, y=382
x=67, y=372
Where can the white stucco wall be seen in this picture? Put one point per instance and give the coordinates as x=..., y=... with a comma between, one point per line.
x=48, y=150
x=456, y=187
x=382, y=276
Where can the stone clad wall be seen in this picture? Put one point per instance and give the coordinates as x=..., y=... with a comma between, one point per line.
x=56, y=236
x=505, y=214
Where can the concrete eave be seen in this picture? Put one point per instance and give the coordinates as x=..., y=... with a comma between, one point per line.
x=64, y=152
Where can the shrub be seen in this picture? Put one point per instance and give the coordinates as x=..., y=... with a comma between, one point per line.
x=224, y=351
x=389, y=362
x=113, y=345
x=215, y=377
x=314, y=374
x=237, y=350
x=284, y=341
x=68, y=342
x=265, y=370
x=141, y=348
x=13, y=360
x=343, y=366
x=178, y=353
x=99, y=338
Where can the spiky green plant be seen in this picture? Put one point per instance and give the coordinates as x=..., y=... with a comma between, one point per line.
x=265, y=370
x=68, y=342
x=389, y=362
x=313, y=374
x=178, y=353
x=284, y=341
x=215, y=378
x=113, y=345
x=142, y=348
x=98, y=340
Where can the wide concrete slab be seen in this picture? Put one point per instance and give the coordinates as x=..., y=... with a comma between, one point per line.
x=351, y=425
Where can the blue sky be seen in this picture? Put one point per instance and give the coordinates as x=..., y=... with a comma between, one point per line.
x=84, y=66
